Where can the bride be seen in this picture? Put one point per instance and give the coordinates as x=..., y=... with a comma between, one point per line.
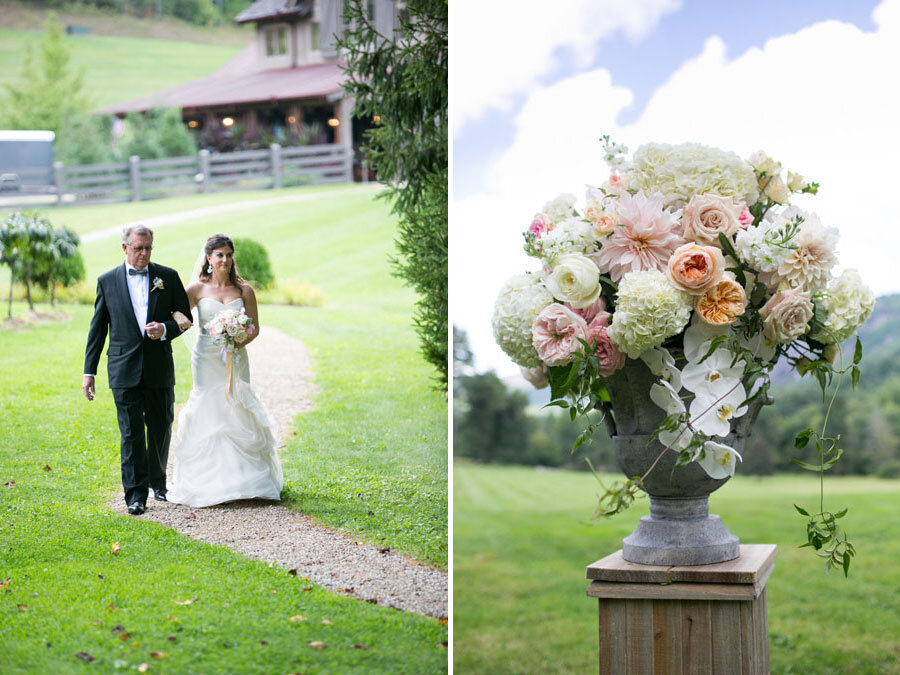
x=225, y=448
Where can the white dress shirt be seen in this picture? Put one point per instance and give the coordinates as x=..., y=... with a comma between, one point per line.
x=139, y=290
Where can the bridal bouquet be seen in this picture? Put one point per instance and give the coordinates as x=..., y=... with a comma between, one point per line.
x=228, y=328
x=693, y=261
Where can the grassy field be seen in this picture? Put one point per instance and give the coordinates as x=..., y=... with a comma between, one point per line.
x=117, y=69
x=370, y=459
x=523, y=536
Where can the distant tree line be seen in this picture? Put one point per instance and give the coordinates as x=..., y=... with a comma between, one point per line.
x=495, y=424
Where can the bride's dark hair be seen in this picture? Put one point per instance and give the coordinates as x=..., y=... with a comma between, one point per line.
x=221, y=241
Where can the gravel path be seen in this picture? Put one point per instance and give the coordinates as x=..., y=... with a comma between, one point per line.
x=281, y=375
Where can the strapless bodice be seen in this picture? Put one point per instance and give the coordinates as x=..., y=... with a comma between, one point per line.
x=207, y=308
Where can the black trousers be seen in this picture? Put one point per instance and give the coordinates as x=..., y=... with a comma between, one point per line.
x=145, y=417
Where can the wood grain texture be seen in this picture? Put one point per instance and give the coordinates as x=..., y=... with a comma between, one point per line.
x=727, y=642
x=604, y=652
x=618, y=637
x=747, y=568
x=696, y=637
x=609, y=589
x=667, y=637
x=639, y=617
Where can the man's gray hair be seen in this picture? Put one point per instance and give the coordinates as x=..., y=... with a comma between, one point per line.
x=134, y=228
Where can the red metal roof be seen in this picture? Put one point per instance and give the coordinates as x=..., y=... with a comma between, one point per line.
x=238, y=83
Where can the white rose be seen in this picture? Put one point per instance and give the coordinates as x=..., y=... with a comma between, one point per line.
x=575, y=279
x=707, y=215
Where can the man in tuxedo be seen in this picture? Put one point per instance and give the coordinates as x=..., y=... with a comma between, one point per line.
x=134, y=304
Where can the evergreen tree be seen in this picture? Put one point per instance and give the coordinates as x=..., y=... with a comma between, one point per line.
x=48, y=92
x=402, y=79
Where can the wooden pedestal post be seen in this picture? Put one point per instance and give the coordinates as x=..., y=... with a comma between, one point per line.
x=679, y=620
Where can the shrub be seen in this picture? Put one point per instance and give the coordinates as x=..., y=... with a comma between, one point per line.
x=159, y=133
x=252, y=262
x=299, y=294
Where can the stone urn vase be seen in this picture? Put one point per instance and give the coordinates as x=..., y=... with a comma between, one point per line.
x=679, y=530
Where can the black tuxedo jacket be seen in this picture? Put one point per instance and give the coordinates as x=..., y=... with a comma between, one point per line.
x=134, y=359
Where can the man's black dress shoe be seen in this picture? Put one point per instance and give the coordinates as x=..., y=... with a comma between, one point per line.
x=159, y=495
x=136, y=508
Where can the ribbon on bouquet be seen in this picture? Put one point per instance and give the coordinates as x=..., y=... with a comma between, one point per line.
x=228, y=358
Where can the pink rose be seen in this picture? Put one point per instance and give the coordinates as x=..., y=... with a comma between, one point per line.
x=555, y=334
x=588, y=313
x=606, y=351
x=536, y=377
x=615, y=184
x=540, y=226
x=746, y=218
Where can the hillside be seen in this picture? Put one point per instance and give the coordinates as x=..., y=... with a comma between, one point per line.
x=27, y=17
x=123, y=57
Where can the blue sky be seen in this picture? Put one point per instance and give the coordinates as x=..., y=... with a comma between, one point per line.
x=810, y=83
x=642, y=65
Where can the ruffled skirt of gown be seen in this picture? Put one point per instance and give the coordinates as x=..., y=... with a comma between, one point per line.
x=225, y=449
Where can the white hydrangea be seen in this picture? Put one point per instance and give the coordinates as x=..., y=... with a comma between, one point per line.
x=560, y=208
x=681, y=171
x=848, y=303
x=520, y=300
x=569, y=236
x=649, y=309
x=756, y=246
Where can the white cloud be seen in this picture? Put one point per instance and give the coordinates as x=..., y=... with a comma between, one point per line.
x=821, y=100
x=508, y=46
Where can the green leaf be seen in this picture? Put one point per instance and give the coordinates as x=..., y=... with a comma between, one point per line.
x=806, y=465
x=802, y=511
x=854, y=376
x=562, y=403
x=802, y=439
x=841, y=513
x=857, y=353
x=727, y=246
x=846, y=564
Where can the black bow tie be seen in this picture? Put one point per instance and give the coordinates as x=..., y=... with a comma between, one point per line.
x=142, y=272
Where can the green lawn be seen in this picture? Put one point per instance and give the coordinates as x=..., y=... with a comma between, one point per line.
x=370, y=459
x=117, y=69
x=523, y=536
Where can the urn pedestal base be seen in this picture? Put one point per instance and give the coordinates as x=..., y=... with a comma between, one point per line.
x=680, y=532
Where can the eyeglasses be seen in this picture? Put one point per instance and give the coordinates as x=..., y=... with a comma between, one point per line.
x=140, y=249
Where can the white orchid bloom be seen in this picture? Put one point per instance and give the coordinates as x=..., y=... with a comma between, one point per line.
x=759, y=345
x=715, y=374
x=719, y=460
x=662, y=364
x=698, y=336
x=666, y=397
x=713, y=416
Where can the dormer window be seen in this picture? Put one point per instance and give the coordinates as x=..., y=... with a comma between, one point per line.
x=276, y=41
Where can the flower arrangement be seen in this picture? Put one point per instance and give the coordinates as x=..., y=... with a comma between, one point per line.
x=229, y=328
x=693, y=261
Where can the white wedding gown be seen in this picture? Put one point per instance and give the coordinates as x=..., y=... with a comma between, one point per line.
x=225, y=449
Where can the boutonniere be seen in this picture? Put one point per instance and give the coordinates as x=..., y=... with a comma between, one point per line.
x=157, y=283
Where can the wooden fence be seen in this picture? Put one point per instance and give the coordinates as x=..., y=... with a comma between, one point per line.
x=139, y=179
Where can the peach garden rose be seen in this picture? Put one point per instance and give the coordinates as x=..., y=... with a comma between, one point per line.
x=695, y=269
x=723, y=303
